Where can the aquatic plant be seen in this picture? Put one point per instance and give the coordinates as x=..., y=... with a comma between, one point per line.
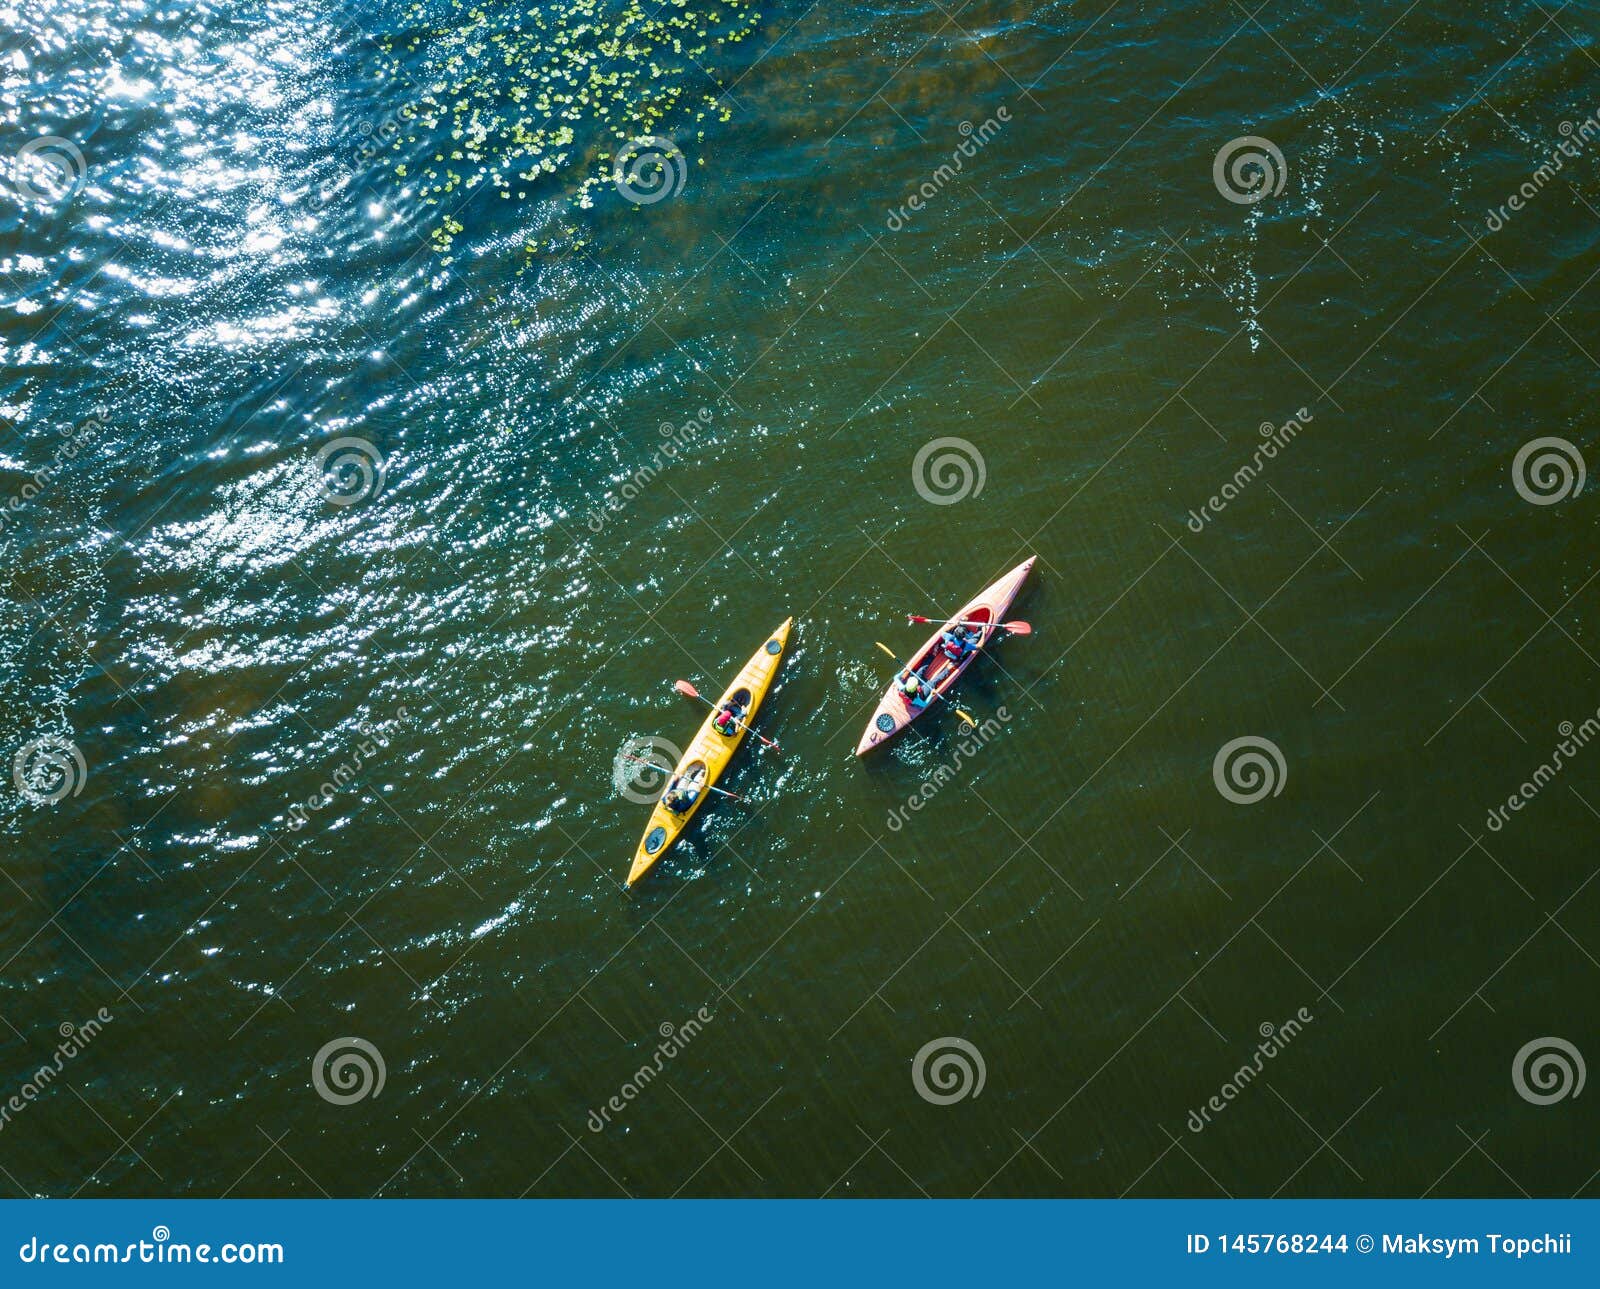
x=510, y=95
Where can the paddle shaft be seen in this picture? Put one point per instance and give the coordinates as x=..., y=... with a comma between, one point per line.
x=1002, y=626
x=712, y=786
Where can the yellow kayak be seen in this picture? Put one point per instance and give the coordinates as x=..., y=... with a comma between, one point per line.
x=708, y=755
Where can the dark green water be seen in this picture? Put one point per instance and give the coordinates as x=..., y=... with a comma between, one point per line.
x=240, y=278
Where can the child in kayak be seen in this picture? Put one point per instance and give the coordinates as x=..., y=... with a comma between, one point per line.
x=726, y=721
x=914, y=688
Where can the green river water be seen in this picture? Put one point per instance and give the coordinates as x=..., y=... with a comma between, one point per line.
x=380, y=510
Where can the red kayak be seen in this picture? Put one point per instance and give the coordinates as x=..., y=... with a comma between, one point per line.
x=988, y=607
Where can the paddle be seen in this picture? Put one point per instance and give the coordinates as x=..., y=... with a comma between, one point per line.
x=689, y=691
x=657, y=765
x=1018, y=628
x=932, y=692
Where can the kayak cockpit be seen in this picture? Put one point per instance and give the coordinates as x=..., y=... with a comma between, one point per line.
x=730, y=714
x=685, y=789
x=936, y=665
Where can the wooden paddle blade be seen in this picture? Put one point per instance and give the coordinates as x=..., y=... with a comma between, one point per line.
x=887, y=650
x=1017, y=628
x=963, y=715
x=917, y=617
x=686, y=689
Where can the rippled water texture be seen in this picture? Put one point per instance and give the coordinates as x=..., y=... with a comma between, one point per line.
x=398, y=398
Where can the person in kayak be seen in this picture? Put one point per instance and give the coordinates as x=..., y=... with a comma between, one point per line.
x=727, y=719
x=914, y=688
x=683, y=792
x=956, y=643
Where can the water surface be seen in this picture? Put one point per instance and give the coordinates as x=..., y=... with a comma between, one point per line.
x=244, y=311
